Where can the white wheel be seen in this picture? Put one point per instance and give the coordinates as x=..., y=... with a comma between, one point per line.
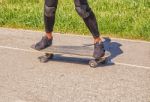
x=93, y=63
x=43, y=60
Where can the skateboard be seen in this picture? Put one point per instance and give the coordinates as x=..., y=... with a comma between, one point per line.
x=49, y=53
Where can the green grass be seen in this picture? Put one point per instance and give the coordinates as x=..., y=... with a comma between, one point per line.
x=116, y=18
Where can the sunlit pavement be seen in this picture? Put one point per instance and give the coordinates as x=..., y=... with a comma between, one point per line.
x=126, y=77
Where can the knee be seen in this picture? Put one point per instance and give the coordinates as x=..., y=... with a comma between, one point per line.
x=83, y=10
x=49, y=11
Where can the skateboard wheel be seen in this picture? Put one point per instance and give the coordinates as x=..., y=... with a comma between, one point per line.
x=40, y=57
x=93, y=63
x=46, y=58
x=43, y=60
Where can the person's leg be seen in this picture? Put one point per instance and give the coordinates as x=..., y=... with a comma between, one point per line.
x=88, y=16
x=50, y=7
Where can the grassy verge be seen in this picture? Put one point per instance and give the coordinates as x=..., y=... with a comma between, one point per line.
x=117, y=18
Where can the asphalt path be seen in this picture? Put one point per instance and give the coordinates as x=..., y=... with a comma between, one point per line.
x=126, y=77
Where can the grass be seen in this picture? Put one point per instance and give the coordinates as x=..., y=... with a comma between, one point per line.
x=116, y=18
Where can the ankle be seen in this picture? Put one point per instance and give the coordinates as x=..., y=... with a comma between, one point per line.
x=97, y=40
x=49, y=35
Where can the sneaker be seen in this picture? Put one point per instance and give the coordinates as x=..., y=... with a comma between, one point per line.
x=99, y=50
x=44, y=43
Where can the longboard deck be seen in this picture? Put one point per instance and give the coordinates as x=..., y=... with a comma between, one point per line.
x=71, y=50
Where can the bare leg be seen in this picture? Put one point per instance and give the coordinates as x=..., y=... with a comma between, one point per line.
x=49, y=35
x=98, y=39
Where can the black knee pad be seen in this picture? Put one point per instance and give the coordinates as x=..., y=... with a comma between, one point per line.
x=83, y=10
x=49, y=11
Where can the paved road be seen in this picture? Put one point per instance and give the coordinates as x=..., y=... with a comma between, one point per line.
x=24, y=79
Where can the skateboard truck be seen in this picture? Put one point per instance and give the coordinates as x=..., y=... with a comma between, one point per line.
x=46, y=57
x=95, y=62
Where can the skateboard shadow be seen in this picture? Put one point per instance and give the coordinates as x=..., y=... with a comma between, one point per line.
x=75, y=60
x=113, y=48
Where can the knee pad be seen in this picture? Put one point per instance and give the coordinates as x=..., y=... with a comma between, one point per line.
x=49, y=11
x=84, y=11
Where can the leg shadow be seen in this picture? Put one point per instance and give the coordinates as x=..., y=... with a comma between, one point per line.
x=113, y=48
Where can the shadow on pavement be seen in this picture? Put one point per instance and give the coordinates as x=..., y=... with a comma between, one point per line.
x=75, y=60
x=113, y=48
